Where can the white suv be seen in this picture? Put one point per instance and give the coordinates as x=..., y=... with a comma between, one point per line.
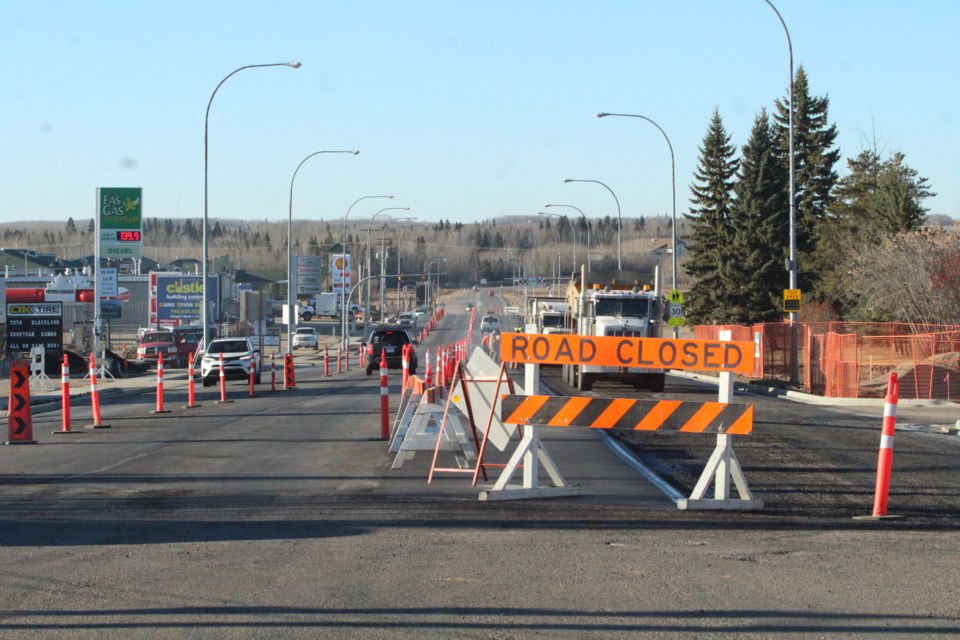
x=489, y=324
x=305, y=337
x=239, y=359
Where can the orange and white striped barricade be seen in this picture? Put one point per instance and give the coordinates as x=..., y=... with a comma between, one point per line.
x=885, y=458
x=404, y=366
x=723, y=466
x=223, y=385
x=65, y=397
x=631, y=414
x=19, y=410
x=451, y=362
x=721, y=418
x=191, y=384
x=159, y=408
x=326, y=362
x=384, y=398
x=95, y=396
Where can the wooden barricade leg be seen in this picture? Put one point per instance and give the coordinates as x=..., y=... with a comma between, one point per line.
x=532, y=454
x=458, y=379
x=722, y=466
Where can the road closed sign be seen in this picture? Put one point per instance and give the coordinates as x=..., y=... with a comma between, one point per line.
x=621, y=351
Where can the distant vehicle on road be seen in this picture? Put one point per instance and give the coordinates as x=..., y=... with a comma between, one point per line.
x=176, y=345
x=239, y=359
x=305, y=337
x=390, y=342
x=489, y=324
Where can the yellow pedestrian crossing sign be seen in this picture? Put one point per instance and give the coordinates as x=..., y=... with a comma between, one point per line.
x=676, y=308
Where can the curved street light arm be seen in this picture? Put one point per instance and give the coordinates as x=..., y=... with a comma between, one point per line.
x=344, y=338
x=206, y=128
x=291, y=295
x=619, y=221
x=585, y=224
x=673, y=187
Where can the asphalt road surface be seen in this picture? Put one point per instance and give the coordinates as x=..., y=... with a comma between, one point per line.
x=278, y=516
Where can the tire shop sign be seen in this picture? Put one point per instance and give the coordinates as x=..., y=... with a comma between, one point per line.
x=38, y=324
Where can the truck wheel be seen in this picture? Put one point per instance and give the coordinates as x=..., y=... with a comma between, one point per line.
x=657, y=382
x=207, y=382
x=585, y=381
x=307, y=317
x=369, y=371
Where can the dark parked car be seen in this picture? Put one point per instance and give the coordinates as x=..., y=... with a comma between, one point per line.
x=391, y=342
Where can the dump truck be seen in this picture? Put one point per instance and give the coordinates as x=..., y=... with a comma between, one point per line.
x=612, y=309
x=545, y=314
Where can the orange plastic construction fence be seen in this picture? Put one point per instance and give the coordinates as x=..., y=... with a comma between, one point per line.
x=855, y=359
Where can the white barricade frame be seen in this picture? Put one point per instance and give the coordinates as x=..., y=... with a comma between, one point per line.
x=424, y=433
x=38, y=367
x=529, y=456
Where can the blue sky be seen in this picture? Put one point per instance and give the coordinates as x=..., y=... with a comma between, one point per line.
x=462, y=110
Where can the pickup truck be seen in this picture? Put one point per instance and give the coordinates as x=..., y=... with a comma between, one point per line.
x=176, y=345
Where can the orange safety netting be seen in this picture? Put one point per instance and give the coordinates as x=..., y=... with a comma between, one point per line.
x=854, y=359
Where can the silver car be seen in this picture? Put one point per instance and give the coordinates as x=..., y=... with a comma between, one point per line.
x=489, y=324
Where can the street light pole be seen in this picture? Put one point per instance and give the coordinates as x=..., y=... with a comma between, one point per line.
x=429, y=292
x=206, y=164
x=432, y=298
x=344, y=338
x=383, y=262
x=399, y=238
x=291, y=289
x=619, y=221
x=572, y=228
x=793, y=267
x=673, y=186
x=366, y=308
x=585, y=224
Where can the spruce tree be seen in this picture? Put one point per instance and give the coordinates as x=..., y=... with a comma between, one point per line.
x=755, y=279
x=814, y=159
x=710, y=234
x=877, y=199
